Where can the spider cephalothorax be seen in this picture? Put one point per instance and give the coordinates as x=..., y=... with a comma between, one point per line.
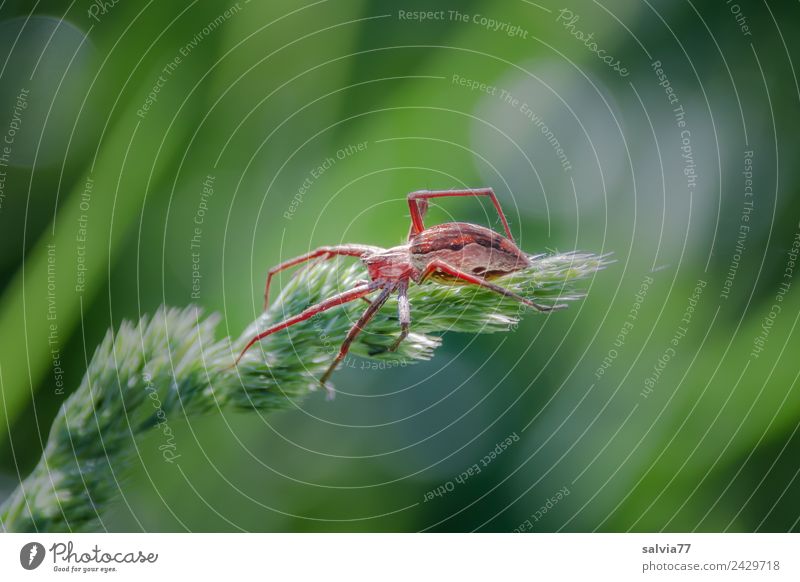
x=453, y=253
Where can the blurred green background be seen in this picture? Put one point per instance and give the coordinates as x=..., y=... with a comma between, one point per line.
x=667, y=400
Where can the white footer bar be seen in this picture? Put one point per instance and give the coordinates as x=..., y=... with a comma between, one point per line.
x=402, y=557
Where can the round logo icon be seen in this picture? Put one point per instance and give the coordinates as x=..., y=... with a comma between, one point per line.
x=31, y=555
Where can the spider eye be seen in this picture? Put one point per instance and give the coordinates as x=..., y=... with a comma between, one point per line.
x=456, y=246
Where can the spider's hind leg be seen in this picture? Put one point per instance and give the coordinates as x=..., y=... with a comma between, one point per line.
x=443, y=267
x=418, y=204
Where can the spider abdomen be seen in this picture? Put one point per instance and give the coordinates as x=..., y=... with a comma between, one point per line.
x=468, y=247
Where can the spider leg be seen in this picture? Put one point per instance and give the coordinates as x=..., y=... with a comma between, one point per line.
x=364, y=282
x=442, y=267
x=403, y=313
x=356, y=329
x=421, y=206
x=339, y=299
x=324, y=252
x=418, y=203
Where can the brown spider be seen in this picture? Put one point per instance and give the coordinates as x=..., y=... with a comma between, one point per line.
x=452, y=253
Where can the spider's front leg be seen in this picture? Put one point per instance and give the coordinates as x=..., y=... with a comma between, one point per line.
x=359, y=325
x=322, y=252
x=341, y=298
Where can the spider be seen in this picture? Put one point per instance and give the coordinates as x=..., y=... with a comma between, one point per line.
x=450, y=253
